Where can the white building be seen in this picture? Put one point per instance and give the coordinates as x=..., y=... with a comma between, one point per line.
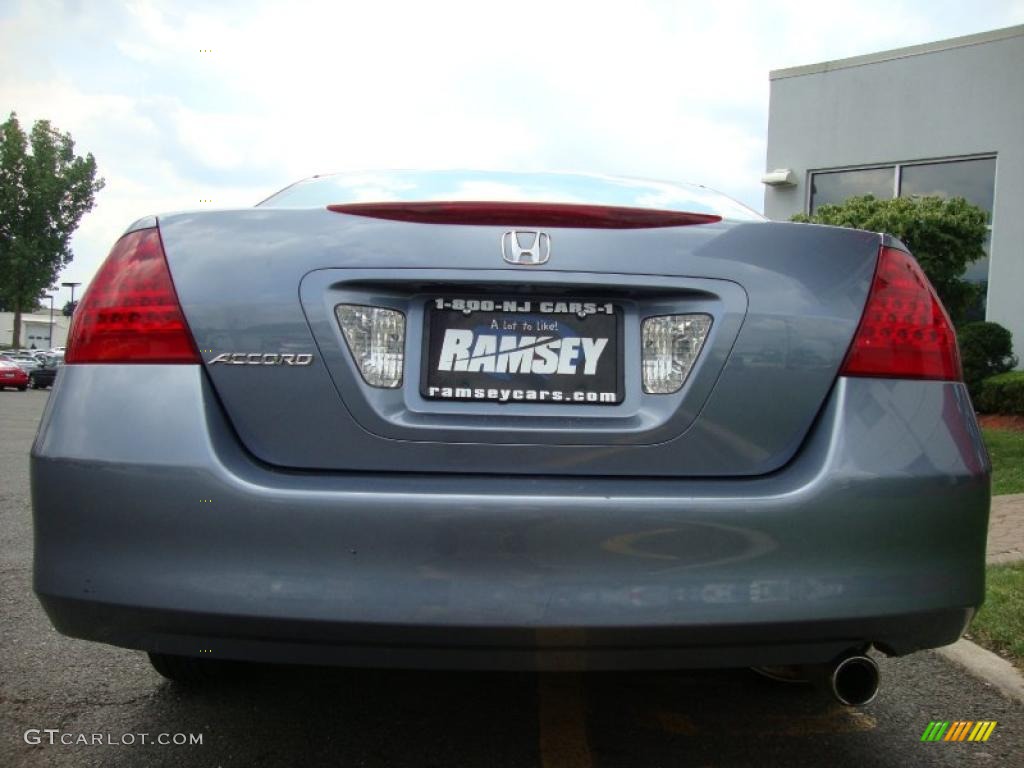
x=35, y=330
x=944, y=118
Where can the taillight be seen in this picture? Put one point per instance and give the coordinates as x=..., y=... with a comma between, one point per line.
x=526, y=214
x=904, y=332
x=131, y=313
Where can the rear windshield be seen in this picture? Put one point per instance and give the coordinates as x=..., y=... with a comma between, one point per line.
x=411, y=186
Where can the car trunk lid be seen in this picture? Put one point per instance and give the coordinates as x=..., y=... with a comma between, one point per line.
x=259, y=285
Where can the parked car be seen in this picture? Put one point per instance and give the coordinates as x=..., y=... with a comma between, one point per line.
x=581, y=421
x=26, y=362
x=45, y=375
x=12, y=375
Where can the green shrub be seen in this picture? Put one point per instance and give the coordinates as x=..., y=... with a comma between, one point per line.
x=986, y=349
x=945, y=236
x=1003, y=393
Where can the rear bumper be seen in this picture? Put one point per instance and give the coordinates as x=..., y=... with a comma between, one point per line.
x=18, y=380
x=228, y=636
x=43, y=378
x=155, y=530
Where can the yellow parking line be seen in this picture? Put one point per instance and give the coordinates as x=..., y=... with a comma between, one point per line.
x=562, y=721
x=676, y=723
x=834, y=720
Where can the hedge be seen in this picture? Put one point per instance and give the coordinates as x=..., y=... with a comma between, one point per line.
x=986, y=349
x=1002, y=393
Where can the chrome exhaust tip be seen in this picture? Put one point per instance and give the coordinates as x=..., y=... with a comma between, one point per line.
x=854, y=680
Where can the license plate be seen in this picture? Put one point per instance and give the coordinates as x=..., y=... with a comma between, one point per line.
x=553, y=351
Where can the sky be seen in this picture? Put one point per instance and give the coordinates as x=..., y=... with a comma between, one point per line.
x=205, y=104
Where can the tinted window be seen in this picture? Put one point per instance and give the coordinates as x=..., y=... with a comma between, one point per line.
x=394, y=186
x=835, y=187
x=970, y=179
x=973, y=180
x=977, y=272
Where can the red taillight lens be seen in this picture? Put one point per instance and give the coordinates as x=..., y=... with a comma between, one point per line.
x=905, y=332
x=527, y=214
x=131, y=313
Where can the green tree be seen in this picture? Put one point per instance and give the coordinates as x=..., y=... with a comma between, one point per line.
x=945, y=235
x=45, y=189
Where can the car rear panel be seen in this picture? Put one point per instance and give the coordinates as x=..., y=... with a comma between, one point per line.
x=785, y=301
x=156, y=529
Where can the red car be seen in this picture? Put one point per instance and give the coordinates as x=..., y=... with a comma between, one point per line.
x=12, y=376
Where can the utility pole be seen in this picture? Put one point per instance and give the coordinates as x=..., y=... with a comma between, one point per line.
x=49, y=338
x=72, y=286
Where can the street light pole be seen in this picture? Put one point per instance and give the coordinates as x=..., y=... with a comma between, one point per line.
x=72, y=286
x=49, y=338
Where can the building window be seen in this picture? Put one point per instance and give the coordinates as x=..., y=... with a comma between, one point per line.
x=970, y=178
x=833, y=187
x=973, y=180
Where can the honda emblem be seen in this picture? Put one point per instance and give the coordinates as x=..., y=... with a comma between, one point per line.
x=538, y=250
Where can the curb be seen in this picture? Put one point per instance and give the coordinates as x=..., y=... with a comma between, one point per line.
x=1005, y=558
x=987, y=667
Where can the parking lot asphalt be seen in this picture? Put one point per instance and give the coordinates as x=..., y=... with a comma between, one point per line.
x=291, y=716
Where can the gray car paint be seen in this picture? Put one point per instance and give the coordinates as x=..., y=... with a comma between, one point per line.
x=787, y=297
x=882, y=516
